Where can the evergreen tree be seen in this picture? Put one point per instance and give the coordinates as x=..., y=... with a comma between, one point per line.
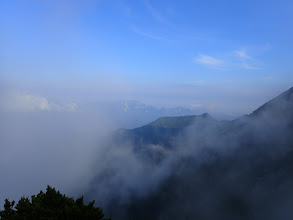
x=50, y=205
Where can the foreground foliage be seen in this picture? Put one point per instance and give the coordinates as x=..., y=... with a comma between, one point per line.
x=50, y=205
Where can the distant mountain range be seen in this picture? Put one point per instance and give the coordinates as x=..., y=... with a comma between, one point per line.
x=131, y=114
x=278, y=108
x=202, y=168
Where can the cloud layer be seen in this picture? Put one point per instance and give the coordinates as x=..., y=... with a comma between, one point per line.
x=209, y=61
x=27, y=102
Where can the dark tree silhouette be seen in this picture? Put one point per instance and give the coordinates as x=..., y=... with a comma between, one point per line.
x=50, y=205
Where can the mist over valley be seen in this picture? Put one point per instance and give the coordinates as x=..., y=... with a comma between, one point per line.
x=146, y=110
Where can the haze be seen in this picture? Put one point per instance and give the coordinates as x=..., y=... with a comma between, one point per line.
x=64, y=64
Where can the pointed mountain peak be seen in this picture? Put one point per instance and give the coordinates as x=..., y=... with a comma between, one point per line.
x=282, y=104
x=287, y=95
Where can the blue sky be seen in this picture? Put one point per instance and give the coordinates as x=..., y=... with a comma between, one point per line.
x=160, y=52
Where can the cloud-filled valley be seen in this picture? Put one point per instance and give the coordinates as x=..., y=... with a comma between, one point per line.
x=154, y=109
x=185, y=166
x=203, y=169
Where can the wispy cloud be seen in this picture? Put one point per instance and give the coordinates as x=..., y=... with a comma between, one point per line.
x=231, y=60
x=250, y=67
x=209, y=61
x=170, y=11
x=127, y=10
x=155, y=13
x=247, y=61
x=145, y=34
x=242, y=54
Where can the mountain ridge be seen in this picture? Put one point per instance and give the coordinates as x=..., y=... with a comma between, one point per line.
x=179, y=121
x=207, y=169
x=283, y=103
x=163, y=129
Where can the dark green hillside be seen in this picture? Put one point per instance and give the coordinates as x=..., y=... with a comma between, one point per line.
x=179, y=122
x=240, y=169
x=162, y=131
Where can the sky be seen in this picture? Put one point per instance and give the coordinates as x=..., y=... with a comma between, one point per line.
x=231, y=55
x=57, y=56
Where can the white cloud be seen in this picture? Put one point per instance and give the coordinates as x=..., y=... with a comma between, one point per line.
x=250, y=67
x=25, y=102
x=242, y=54
x=247, y=61
x=209, y=61
x=144, y=34
x=232, y=60
x=155, y=14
